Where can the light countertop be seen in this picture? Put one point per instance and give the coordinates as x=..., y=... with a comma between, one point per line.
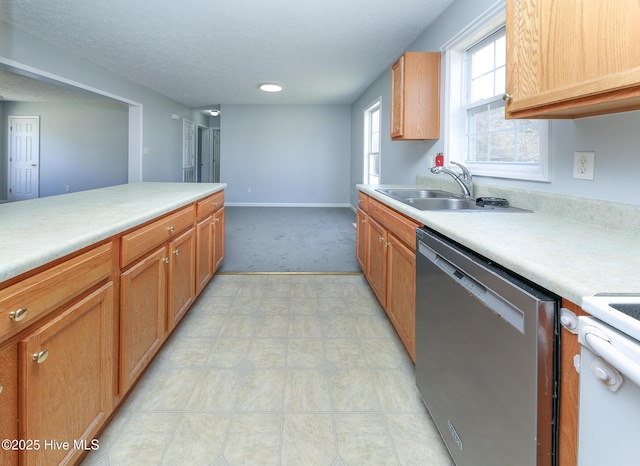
x=567, y=257
x=39, y=231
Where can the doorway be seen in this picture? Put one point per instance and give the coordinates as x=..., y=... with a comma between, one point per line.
x=24, y=158
x=208, y=155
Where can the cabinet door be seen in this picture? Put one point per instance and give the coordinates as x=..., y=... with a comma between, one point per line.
x=9, y=401
x=572, y=58
x=218, y=249
x=361, y=239
x=415, y=96
x=67, y=379
x=204, y=252
x=397, y=98
x=401, y=292
x=182, y=276
x=377, y=260
x=142, y=315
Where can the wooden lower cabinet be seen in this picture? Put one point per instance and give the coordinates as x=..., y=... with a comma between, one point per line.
x=361, y=241
x=386, y=251
x=209, y=247
x=9, y=401
x=377, y=260
x=182, y=277
x=66, y=376
x=204, y=252
x=401, y=292
x=218, y=235
x=143, y=304
x=76, y=335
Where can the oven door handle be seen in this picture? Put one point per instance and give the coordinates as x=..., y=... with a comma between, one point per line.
x=601, y=345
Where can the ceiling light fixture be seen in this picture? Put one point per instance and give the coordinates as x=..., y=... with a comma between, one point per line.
x=270, y=87
x=214, y=112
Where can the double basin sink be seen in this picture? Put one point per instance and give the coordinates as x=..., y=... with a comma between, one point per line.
x=429, y=199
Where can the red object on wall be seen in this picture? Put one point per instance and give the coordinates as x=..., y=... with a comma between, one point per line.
x=439, y=160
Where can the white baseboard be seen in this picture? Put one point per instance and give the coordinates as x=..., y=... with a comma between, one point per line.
x=285, y=204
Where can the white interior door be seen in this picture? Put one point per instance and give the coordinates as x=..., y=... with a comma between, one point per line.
x=24, y=157
x=188, y=152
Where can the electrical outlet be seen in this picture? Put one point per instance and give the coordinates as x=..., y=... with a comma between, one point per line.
x=66, y=188
x=248, y=190
x=584, y=165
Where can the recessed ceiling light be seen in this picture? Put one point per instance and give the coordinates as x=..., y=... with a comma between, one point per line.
x=214, y=112
x=270, y=87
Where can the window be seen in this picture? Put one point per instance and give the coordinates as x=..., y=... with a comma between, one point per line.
x=372, y=143
x=478, y=135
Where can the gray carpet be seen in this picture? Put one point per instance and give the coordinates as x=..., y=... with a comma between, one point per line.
x=290, y=239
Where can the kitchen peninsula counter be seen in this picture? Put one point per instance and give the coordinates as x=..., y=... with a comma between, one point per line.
x=39, y=231
x=569, y=258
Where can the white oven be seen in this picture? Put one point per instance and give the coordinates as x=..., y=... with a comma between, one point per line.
x=609, y=416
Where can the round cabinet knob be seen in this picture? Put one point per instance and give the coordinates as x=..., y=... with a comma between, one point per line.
x=41, y=356
x=165, y=260
x=176, y=252
x=507, y=97
x=171, y=228
x=19, y=314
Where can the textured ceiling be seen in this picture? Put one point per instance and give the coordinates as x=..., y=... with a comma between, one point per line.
x=204, y=52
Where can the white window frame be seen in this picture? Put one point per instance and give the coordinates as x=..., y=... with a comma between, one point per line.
x=455, y=111
x=375, y=105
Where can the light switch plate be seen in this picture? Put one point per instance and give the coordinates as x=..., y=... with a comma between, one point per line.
x=584, y=165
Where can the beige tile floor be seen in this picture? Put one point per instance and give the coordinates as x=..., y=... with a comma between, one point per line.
x=277, y=370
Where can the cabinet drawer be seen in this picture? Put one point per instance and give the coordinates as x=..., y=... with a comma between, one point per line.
x=50, y=289
x=402, y=227
x=209, y=205
x=144, y=239
x=363, y=201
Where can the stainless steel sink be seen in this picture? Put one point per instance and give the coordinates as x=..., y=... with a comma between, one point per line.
x=401, y=194
x=433, y=199
x=444, y=204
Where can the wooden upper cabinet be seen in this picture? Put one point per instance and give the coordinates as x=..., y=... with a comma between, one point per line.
x=415, y=96
x=572, y=58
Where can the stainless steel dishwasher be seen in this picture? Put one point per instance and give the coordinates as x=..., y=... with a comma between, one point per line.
x=486, y=357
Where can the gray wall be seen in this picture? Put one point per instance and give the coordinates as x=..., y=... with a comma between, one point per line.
x=614, y=138
x=83, y=146
x=286, y=154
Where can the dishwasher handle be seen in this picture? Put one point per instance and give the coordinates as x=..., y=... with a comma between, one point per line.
x=597, y=341
x=510, y=314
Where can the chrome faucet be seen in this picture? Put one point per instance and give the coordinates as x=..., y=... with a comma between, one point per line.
x=464, y=179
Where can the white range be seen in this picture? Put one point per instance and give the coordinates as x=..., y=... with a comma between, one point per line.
x=609, y=422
